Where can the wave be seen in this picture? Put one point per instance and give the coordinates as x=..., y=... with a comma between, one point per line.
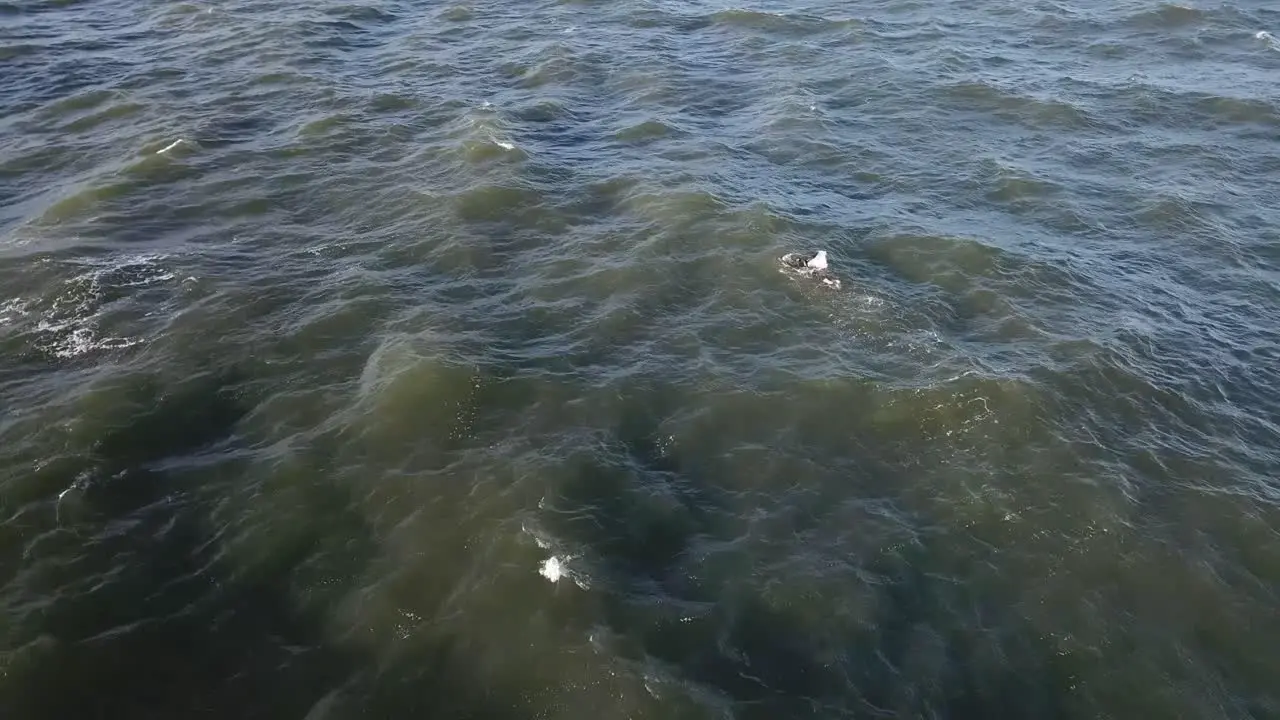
x=1167, y=16
x=742, y=19
x=1022, y=108
x=797, y=24
x=1171, y=107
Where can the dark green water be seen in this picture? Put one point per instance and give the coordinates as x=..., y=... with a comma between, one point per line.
x=413, y=359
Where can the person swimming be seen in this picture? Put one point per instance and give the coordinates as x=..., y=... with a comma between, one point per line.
x=812, y=266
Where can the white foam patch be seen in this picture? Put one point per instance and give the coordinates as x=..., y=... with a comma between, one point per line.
x=505, y=145
x=1269, y=39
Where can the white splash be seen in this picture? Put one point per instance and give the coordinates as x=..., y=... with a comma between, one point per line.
x=1269, y=39
x=819, y=261
x=505, y=145
x=552, y=569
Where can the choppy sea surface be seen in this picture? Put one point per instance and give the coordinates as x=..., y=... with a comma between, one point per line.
x=433, y=360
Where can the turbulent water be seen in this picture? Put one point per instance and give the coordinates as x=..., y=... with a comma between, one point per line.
x=415, y=359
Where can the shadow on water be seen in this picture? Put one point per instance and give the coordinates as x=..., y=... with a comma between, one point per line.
x=931, y=645
x=173, y=630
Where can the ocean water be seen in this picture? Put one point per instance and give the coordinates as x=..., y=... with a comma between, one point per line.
x=433, y=360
